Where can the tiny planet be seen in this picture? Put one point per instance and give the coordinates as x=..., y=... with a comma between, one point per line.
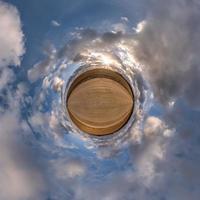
x=100, y=101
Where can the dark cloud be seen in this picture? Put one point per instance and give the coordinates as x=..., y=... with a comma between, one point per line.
x=168, y=46
x=111, y=37
x=192, y=82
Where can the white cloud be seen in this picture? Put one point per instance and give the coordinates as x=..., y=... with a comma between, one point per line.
x=153, y=126
x=11, y=36
x=140, y=26
x=11, y=42
x=5, y=77
x=55, y=23
x=38, y=119
x=71, y=168
x=57, y=84
x=20, y=178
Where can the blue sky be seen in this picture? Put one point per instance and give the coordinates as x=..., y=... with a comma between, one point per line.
x=154, y=44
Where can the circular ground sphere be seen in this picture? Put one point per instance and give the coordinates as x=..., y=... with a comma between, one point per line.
x=100, y=101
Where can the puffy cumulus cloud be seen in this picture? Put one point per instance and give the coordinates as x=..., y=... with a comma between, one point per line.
x=21, y=178
x=153, y=126
x=11, y=36
x=166, y=43
x=57, y=84
x=150, y=152
x=11, y=42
